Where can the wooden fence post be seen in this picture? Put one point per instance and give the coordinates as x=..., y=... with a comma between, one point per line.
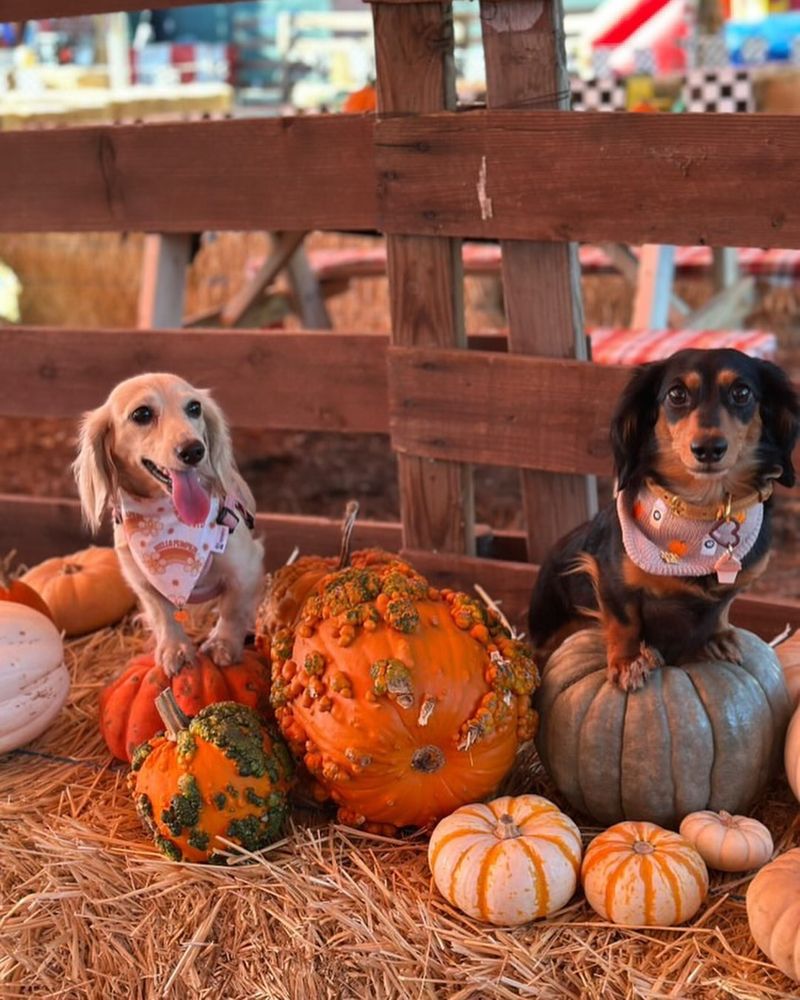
x=526, y=68
x=414, y=59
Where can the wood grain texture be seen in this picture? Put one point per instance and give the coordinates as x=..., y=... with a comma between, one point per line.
x=265, y=173
x=262, y=379
x=492, y=408
x=503, y=409
x=415, y=74
x=560, y=176
x=526, y=67
x=511, y=583
x=39, y=528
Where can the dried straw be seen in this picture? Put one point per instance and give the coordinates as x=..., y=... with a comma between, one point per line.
x=89, y=909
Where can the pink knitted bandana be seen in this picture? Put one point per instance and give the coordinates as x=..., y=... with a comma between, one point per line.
x=173, y=556
x=661, y=540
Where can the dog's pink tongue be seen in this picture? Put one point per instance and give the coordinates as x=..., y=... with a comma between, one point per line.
x=192, y=503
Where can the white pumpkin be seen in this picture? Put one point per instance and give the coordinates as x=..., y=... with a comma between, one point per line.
x=638, y=874
x=773, y=912
x=508, y=861
x=34, y=682
x=728, y=843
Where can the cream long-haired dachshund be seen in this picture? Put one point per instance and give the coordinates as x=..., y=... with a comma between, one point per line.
x=158, y=454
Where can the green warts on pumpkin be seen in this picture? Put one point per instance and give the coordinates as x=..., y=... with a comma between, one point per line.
x=184, y=807
x=392, y=678
x=236, y=731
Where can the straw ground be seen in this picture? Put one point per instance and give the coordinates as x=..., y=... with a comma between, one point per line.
x=89, y=909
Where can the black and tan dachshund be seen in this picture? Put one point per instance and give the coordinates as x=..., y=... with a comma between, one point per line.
x=698, y=441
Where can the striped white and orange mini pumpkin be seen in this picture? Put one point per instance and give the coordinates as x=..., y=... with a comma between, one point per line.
x=507, y=861
x=639, y=874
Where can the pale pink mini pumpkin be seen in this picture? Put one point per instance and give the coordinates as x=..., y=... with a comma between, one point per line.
x=728, y=843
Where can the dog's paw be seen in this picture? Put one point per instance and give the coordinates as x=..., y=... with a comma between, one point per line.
x=723, y=646
x=222, y=651
x=172, y=656
x=630, y=673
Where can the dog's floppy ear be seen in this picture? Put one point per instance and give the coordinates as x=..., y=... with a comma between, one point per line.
x=94, y=468
x=220, y=452
x=634, y=419
x=780, y=408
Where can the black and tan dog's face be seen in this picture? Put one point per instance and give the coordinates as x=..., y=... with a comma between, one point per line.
x=706, y=418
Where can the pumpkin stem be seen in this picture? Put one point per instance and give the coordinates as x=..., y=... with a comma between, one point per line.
x=70, y=569
x=171, y=714
x=428, y=759
x=643, y=847
x=492, y=605
x=350, y=515
x=506, y=828
x=5, y=568
x=726, y=818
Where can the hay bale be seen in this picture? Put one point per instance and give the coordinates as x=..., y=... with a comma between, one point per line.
x=88, y=908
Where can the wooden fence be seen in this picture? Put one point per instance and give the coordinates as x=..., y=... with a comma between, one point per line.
x=427, y=174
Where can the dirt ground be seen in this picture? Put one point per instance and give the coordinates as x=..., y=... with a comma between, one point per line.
x=305, y=473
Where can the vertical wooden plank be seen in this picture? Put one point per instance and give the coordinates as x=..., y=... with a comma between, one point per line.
x=414, y=59
x=163, y=286
x=526, y=68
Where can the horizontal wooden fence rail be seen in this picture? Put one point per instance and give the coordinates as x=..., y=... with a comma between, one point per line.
x=504, y=409
x=724, y=180
x=543, y=175
x=262, y=378
x=47, y=527
x=181, y=177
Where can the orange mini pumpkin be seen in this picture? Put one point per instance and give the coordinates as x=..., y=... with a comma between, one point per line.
x=84, y=591
x=128, y=715
x=220, y=775
x=18, y=592
x=403, y=702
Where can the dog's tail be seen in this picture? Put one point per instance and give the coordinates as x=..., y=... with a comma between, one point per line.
x=563, y=597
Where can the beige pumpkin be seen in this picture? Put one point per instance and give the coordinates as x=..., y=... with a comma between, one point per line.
x=791, y=754
x=788, y=653
x=773, y=912
x=508, y=861
x=728, y=843
x=706, y=735
x=34, y=682
x=85, y=591
x=637, y=874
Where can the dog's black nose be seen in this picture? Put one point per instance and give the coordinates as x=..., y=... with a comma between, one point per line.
x=192, y=452
x=709, y=450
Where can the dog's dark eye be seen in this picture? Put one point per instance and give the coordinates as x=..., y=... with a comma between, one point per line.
x=741, y=394
x=193, y=409
x=678, y=395
x=142, y=415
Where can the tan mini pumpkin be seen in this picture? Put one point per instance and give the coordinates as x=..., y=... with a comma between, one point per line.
x=637, y=874
x=84, y=591
x=706, y=735
x=508, y=861
x=728, y=843
x=788, y=653
x=791, y=754
x=773, y=912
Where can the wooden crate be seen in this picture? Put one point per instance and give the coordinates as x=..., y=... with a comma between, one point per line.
x=523, y=171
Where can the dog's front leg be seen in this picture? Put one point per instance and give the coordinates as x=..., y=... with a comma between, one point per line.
x=174, y=649
x=241, y=568
x=630, y=659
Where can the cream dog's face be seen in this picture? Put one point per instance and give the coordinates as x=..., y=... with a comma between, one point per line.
x=155, y=434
